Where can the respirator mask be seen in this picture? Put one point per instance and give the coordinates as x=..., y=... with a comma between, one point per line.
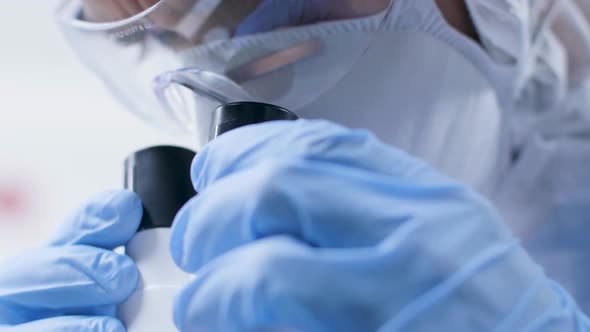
x=174, y=61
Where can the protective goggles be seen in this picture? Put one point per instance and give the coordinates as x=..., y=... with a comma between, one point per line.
x=174, y=61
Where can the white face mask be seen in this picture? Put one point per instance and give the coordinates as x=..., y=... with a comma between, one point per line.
x=439, y=108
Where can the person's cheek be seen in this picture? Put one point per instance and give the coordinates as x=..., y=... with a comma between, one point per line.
x=147, y=3
x=103, y=10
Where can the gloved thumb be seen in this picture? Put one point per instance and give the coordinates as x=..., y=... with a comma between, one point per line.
x=107, y=221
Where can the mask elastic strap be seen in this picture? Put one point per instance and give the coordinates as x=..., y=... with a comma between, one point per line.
x=275, y=61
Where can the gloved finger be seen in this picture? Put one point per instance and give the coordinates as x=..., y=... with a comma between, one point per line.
x=280, y=283
x=320, y=204
x=69, y=324
x=312, y=140
x=416, y=276
x=107, y=221
x=63, y=280
x=245, y=289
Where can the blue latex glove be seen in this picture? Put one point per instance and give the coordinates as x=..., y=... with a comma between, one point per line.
x=314, y=227
x=74, y=283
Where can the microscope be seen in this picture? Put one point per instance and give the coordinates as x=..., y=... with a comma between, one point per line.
x=161, y=177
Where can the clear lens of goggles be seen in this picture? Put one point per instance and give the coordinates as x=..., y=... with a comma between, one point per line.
x=174, y=61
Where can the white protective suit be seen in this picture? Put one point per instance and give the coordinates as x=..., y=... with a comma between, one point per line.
x=545, y=195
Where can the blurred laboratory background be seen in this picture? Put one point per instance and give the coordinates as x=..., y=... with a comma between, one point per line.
x=62, y=137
